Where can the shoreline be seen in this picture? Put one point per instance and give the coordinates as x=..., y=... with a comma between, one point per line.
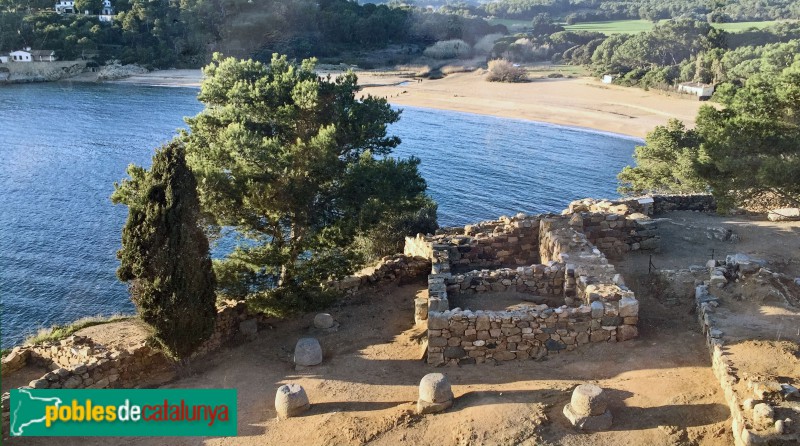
x=581, y=103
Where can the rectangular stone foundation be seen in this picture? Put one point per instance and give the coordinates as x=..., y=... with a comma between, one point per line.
x=597, y=305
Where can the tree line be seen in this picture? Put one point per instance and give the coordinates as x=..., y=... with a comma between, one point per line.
x=574, y=11
x=743, y=153
x=163, y=33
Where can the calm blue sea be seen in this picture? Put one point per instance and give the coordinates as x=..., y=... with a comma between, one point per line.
x=62, y=147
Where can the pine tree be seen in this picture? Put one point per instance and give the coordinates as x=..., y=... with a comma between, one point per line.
x=301, y=166
x=164, y=256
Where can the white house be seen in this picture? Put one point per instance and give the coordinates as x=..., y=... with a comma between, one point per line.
x=107, y=14
x=68, y=7
x=699, y=89
x=608, y=78
x=65, y=6
x=29, y=55
x=4, y=58
x=20, y=56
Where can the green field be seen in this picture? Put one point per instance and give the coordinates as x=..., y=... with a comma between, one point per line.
x=636, y=26
x=613, y=27
x=620, y=26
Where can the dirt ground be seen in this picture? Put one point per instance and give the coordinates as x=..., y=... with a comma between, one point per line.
x=662, y=390
x=661, y=386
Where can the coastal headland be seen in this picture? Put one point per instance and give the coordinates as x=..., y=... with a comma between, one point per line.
x=580, y=102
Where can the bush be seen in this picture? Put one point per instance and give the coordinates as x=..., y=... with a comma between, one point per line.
x=448, y=49
x=504, y=71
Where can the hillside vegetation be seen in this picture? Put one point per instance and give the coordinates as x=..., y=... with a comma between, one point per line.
x=164, y=33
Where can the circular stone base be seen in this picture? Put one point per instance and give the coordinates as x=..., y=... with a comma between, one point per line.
x=425, y=407
x=590, y=423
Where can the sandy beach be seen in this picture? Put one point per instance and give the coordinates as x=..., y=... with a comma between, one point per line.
x=579, y=102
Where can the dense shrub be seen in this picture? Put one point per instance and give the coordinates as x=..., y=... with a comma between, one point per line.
x=504, y=71
x=164, y=256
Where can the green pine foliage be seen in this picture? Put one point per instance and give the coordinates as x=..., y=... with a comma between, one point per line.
x=300, y=167
x=747, y=149
x=164, y=256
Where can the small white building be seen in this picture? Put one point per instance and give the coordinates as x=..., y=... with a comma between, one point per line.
x=29, y=55
x=65, y=6
x=68, y=7
x=699, y=89
x=4, y=58
x=608, y=78
x=43, y=55
x=20, y=56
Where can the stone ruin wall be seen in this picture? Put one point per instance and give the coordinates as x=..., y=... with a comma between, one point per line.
x=617, y=227
x=488, y=244
x=388, y=270
x=78, y=362
x=598, y=307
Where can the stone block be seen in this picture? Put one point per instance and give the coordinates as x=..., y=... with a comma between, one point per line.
x=597, y=309
x=504, y=355
x=437, y=321
x=427, y=407
x=437, y=341
x=39, y=384
x=763, y=416
x=454, y=352
x=307, y=352
x=588, y=400
x=73, y=382
x=628, y=307
x=435, y=388
x=599, y=336
x=589, y=423
x=291, y=400
x=627, y=332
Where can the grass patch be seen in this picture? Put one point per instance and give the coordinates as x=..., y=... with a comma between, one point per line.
x=544, y=70
x=613, y=27
x=58, y=332
x=637, y=26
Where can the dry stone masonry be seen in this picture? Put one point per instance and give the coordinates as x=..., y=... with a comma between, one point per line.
x=389, y=269
x=78, y=362
x=754, y=419
x=543, y=255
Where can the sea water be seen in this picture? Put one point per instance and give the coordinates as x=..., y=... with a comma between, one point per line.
x=63, y=145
